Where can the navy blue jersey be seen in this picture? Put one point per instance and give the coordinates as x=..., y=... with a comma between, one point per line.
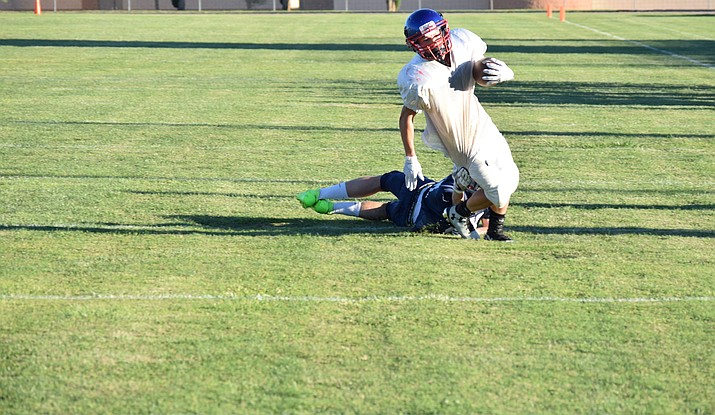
x=430, y=198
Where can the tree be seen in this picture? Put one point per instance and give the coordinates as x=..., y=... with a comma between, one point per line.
x=179, y=4
x=393, y=5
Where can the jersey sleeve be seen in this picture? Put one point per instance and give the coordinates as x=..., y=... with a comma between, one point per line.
x=415, y=95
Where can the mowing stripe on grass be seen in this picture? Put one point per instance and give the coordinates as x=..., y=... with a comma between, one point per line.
x=370, y=299
x=643, y=45
x=177, y=228
x=704, y=185
x=160, y=178
x=681, y=32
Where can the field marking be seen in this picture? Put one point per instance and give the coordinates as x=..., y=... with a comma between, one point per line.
x=643, y=45
x=349, y=300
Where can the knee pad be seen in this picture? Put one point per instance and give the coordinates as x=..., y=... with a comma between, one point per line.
x=500, y=186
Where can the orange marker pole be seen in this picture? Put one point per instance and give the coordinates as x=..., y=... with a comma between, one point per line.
x=548, y=10
x=38, y=7
x=562, y=14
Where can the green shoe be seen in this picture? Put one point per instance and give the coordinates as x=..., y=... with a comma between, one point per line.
x=323, y=206
x=309, y=197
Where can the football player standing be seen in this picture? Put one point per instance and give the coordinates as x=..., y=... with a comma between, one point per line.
x=439, y=82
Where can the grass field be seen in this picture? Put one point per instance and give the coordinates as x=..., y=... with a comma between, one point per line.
x=153, y=258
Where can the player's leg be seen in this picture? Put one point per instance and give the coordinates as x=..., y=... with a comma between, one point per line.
x=373, y=210
x=480, y=222
x=497, y=215
x=317, y=199
x=310, y=198
x=366, y=209
x=396, y=211
x=356, y=188
x=498, y=177
x=363, y=186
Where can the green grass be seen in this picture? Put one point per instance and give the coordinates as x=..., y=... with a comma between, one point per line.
x=153, y=258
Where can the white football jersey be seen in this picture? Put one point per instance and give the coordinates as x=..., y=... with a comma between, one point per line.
x=456, y=123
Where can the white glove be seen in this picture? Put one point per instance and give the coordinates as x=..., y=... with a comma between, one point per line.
x=496, y=72
x=462, y=179
x=412, y=170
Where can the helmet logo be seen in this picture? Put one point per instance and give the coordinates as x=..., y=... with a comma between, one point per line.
x=428, y=28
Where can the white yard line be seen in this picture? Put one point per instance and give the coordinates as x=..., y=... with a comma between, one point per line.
x=350, y=300
x=643, y=45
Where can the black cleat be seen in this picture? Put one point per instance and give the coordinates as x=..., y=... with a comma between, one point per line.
x=495, y=232
x=499, y=237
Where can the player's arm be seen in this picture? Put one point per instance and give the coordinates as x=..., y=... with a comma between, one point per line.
x=491, y=71
x=407, y=130
x=412, y=169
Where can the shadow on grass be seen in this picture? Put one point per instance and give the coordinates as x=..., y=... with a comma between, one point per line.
x=256, y=226
x=526, y=205
x=604, y=134
x=597, y=206
x=391, y=130
x=210, y=225
x=698, y=49
x=592, y=93
x=524, y=187
x=229, y=226
x=526, y=46
x=590, y=188
x=522, y=93
x=89, y=43
x=646, y=95
x=267, y=226
x=314, y=128
x=541, y=230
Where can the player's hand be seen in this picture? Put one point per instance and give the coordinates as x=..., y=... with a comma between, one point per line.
x=462, y=179
x=412, y=170
x=497, y=71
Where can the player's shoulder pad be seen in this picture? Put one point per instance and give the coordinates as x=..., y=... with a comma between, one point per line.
x=411, y=73
x=470, y=39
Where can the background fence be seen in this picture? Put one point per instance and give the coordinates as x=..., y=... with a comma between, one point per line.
x=360, y=5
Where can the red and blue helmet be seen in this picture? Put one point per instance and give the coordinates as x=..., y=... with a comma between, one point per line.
x=427, y=34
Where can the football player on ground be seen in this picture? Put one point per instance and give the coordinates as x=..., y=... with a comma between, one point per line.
x=419, y=209
x=439, y=82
